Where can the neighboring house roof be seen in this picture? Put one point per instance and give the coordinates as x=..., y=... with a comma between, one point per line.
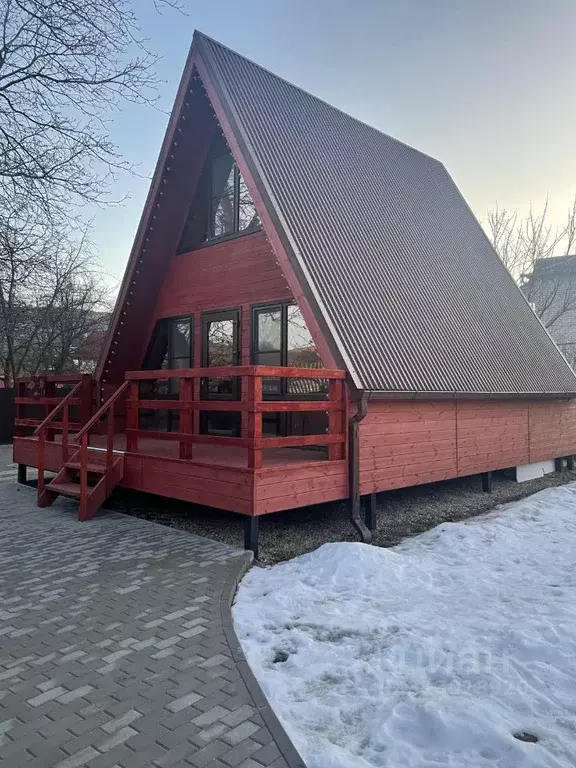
x=554, y=266
x=551, y=290
x=411, y=295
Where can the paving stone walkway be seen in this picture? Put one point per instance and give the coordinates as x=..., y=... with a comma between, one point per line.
x=117, y=649
x=8, y=470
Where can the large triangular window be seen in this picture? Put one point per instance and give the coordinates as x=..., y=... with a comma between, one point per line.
x=231, y=207
x=223, y=206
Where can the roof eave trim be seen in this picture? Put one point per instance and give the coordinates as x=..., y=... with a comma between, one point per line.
x=146, y=213
x=443, y=395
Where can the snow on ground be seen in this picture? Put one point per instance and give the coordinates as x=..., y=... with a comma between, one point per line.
x=433, y=653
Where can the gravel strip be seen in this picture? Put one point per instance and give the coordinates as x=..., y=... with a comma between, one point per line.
x=287, y=534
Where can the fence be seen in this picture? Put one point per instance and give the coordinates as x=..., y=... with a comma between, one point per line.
x=7, y=413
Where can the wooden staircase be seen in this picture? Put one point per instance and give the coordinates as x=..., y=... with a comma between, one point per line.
x=100, y=482
x=89, y=474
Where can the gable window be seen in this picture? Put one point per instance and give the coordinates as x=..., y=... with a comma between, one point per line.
x=231, y=208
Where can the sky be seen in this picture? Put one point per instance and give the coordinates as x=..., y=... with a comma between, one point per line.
x=485, y=86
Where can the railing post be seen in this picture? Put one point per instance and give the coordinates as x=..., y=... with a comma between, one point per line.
x=109, y=435
x=335, y=418
x=132, y=417
x=41, y=449
x=65, y=423
x=254, y=420
x=50, y=391
x=186, y=419
x=20, y=408
x=86, y=395
x=195, y=412
x=83, y=478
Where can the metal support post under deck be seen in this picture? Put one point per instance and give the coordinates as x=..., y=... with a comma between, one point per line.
x=251, y=530
x=22, y=473
x=370, y=512
x=558, y=464
x=487, y=482
x=570, y=463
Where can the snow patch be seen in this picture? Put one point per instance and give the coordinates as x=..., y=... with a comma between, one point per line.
x=440, y=651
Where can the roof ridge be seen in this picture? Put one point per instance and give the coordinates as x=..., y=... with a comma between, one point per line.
x=199, y=34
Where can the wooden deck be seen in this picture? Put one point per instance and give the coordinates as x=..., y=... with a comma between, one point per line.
x=212, y=455
x=217, y=476
x=251, y=474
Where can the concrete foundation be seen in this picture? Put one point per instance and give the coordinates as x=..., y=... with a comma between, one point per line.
x=533, y=471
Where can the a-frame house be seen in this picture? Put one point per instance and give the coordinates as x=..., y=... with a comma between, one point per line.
x=310, y=313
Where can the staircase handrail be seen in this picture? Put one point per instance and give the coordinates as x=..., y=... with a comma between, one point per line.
x=102, y=410
x=57, y=409
x=84, y=438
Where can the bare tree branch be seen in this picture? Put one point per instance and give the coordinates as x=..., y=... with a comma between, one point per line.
x=65, y=67
x=525, y=246
x=52, y=297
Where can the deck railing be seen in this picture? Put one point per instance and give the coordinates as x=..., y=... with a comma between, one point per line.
x=45, y=430
x=44, y=393
x=250, y=403
x=106, y=411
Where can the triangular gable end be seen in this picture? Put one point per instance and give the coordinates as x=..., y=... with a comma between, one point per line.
x=401, y=288
x=199, y=110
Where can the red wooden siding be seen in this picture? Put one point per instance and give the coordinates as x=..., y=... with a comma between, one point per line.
x=406, y=443
x=552, y=429
x=226, y=275
x=299, y=486
x=409, y=443
x=221, y=487
x=492, y=435
x=25, y=451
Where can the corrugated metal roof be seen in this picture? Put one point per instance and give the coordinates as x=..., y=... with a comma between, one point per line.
x=418, y=299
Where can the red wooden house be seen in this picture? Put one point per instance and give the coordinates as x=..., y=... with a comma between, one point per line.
x=310, y=312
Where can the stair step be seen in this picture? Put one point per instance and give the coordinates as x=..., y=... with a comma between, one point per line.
x=65, y=489
x=92, y=467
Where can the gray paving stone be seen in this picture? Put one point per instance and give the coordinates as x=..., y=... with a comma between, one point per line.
x=237, y=735
x=113, y=651
x=183, y=701
x=209, y=717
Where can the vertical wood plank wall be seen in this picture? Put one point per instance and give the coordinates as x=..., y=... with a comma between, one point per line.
x=409, y=443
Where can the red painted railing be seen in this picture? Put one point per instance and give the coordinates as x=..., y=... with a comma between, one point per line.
x=106, y=411
x=251, y=402
x=50, y=425
x=43, y=393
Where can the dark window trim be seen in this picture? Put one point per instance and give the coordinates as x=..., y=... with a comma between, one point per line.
x=172, y=386
x=206, y=318
x=166, y=321
x=283, y=306
x=221, y=314
x=210, y=239
x=224, y=238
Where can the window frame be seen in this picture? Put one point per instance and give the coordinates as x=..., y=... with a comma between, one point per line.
x=235, y=416
x=215, y=199
x=282, y=306
x=166, y=326
x=166, y=323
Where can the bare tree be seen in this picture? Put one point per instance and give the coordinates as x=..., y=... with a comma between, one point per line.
x=51, y=297
x=522, y=242
x=525, y=246
x=65, y=67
